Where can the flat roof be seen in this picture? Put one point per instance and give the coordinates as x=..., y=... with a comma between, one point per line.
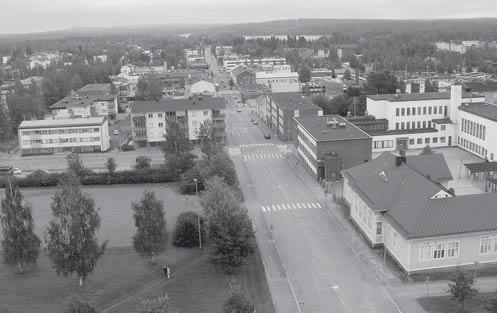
x=276, y=74
x=188, y=104
x=484, y=110
x=317, y=127
x=420, y=96
x=69, y=122
x=481, y=167
x=291, y=100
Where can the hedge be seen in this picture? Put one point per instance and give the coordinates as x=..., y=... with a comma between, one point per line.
x=147, y=176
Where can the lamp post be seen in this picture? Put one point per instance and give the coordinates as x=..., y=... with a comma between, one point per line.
x=198, y=216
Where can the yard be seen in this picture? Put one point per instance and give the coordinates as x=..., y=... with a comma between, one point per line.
x=445, y=304
x=121, y=277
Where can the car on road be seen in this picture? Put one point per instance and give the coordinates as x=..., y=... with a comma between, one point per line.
x=116, y=132
x=143, y=157
x=255, y=123
x=267, y=136
x=239, y=110
x=17, y=171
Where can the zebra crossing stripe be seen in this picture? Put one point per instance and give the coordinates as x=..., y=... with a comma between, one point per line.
x=278, y=207
x=298, y=206
x=274, y=209
x=294, y=206
x=309, y=205
x=284, y=207
x=264, y=209
x=313, y=205
x=319, y=205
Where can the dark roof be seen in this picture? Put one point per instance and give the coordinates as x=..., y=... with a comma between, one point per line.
x=406, y=198
x=484, y=110
x=481, y=167
x=420, y=96
x=95, y=89
x=69, y=122
x=433, y=165
x=442, y=121
x=240, y=69
x=192, y=103
x=481, y=86
x=291, y=100
x=77, y=100
x=317, y=127
x=253, y=87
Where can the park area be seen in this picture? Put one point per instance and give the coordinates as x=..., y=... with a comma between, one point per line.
x=121, y=277
x=444, y=304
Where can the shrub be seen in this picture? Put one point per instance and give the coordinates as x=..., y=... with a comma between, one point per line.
x=187, y=183
x=186, y=230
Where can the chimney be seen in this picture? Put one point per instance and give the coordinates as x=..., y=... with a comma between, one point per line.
x=399, y=160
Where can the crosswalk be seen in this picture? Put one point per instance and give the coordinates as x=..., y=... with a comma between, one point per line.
x=291, y=206
x=263, y=156
x=250, y=145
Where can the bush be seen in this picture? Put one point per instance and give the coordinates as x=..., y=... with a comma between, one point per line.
x=186, y=230
x=187, y=183
x=127, y=147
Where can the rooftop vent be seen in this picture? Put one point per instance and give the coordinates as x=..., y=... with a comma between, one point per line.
x=383, y=176
x=333, y=123
x=342, y=125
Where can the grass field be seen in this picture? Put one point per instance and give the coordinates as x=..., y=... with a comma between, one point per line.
x=121, y=277
x=445, y=304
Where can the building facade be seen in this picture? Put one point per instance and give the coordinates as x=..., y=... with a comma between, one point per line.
x=64, y=135
x=149, y=118
x=279, y=82
x=327, y=144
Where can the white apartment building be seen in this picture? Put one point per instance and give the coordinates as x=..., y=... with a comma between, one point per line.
x=64, y=135
x=435, y=119
x=149, y=118
x=279, y=82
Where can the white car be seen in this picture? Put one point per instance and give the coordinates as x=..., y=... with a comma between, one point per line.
x=116, y=132
x=17, y=171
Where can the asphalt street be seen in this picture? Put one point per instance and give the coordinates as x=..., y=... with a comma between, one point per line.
x=309, y=265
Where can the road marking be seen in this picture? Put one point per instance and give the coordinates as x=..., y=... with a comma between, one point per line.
x=274, y=209
x=314, y=205
x=298, y=205
x=309, y=205
x=294, y=206
x=319, y=205
x=278, y=207
x=264, y=209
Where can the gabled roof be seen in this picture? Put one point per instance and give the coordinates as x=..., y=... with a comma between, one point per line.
x=407, y=199
x=432, y=165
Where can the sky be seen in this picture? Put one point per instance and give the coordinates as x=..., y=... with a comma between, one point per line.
x=22, y=16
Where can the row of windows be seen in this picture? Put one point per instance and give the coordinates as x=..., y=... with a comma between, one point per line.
x=61, y=131
x=474, y=129
x=365, y=215
x=283, y=80
x=488, y=245
x=173, y=113
x=60, y=140
x=380, y=144
x=427, y=140
x=414, y=125
x=421, y=110
x=439, y=250
x=474, y=147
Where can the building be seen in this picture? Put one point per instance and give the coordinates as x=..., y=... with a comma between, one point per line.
x=487, y=88
x=279, y=82
x=64, y=135
x=312, y=88
x=202, y=88
x=420, y=224
x=149, y=118
x=242, y=75
x=282, y=107
x=417, y=120
x=222, y=50
x=327, y=144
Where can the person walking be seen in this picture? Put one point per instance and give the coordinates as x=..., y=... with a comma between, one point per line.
x=167, y=271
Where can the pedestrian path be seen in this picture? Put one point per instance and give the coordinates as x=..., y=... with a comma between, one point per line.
x=257, y=145
x=291, y=206
x=263, y=156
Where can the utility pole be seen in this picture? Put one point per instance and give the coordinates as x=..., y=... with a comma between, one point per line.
x=198, y=216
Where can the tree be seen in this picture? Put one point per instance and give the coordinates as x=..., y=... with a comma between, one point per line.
x=229, y=227
x=382, y=83
x=20, y=244
x=427, y=150
x=431, y=86
x=142, y=164
x=149, y=88
x=75, y=164
x=491, y=305
x=71, y=240
x=176, y=140
x=76, y=82
x=151, y=236
x=346, y=75
x=207, y=135
x=186, y=230
x=304, y=75
x=159, y=304
x=238, y=303
x=231, y=83
x=461, y=287
x=187, y=184
x=222, y=166
x=79, y=305
x=111, y=165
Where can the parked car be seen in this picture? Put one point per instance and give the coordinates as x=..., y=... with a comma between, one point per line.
x=116, y=132
x=267, y=136
x=17, y=171
x=239, y=110
x=143, y=157
x=255, y=123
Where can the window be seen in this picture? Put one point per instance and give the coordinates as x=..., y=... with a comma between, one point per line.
x=397, y=112
x=206, y=113
x=402, y=125
x=420, y=141
x=435, y=140
x=161, y=124
x=445, y=110
x=396, y=125
x=408, y=125
x=403, y=111
x=453, y=249
x=151, y=115
x=442, y=127
x=424, y=124
x=159, y=115
x=413, y=125
x=439, y=252
x=419, y=124
x=378, y=228
x=434, y=110
x=424, y=110
x=487, y=245
x=429, y=110
x=425, y=252
x=419, y=110
x=413, y=111
x=411, y=141
x=408, y=111
x=427, y=140
x=442, y=139
x=429, y=124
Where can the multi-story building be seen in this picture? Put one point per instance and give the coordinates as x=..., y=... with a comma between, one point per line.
x=282, y=107
x=279, y=82
x=487, y=88
x=417, y=120
x=312, y=88
x=105, y=97
x=149, y=118
x=420, y=224
x=83, y=106
x=64, y=135
x=242, y=75
x=327, y=144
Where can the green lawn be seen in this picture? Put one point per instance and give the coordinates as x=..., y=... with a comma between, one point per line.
x=445, y=304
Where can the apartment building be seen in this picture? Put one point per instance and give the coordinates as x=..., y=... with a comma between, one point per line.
x=417, y=120
x=327, y=144
x=149, y=118
x=283, y=107
x=420, y=224
x=64, y=135
x=279, y=81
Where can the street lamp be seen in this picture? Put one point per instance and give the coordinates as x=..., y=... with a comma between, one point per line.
x=198, y=216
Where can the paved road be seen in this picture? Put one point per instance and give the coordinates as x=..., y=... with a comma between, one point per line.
x=309, y=262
